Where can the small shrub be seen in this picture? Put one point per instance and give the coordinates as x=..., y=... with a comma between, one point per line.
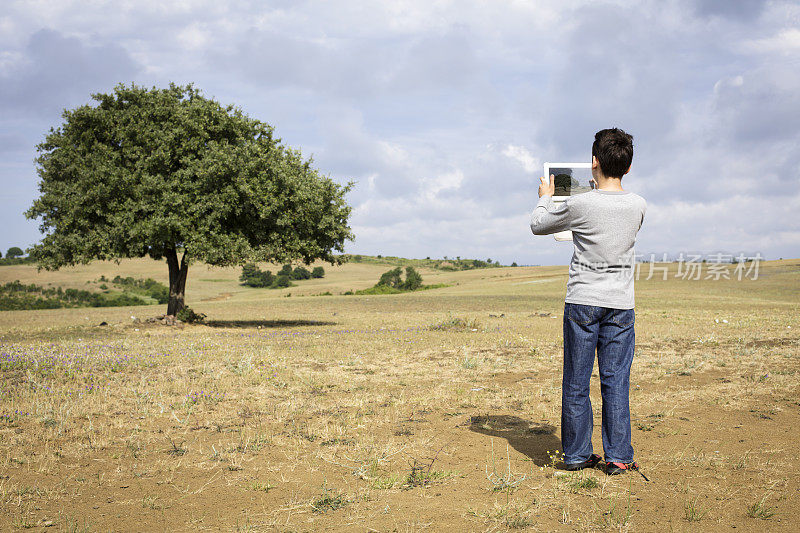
x=468, y=363
x=248, y=270
x=301, y=273
x=261, y=486
x=760, y=510
x=455, y=323
x=188, y=315
x=149, y=288
x=282, y=281
x=577, y=482
x=377, y=289
x=422, y=475
x=318, y=272
x=252, y=276
x=177, y=450
x=391, y=278
x=394, y=279
x=692, y=511
x=329, y=501
x=413, y=279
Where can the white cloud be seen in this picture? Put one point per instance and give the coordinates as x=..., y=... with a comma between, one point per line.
x=449, y=181
x=785, y=42
x=11, y=60
x=734, y=224
x=523, y=156
x=193, y=37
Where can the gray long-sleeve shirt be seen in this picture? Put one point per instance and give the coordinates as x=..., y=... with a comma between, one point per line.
x=604, y=225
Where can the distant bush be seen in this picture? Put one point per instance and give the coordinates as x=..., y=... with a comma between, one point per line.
x=142, y=287
x=282, y=281
x=413, y=280
x=378, y=289
x=252, y=276
x=392, y=278
x=7, y=261
x=14, y=252
x=392, y=282
x=18, y=296
x=300, y=273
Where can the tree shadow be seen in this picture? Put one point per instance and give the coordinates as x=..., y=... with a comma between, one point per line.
x=530, y=439
x=266, y=323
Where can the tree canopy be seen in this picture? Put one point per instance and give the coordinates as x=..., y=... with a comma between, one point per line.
x=160, y=172
x=14, y=252
x=393, y=278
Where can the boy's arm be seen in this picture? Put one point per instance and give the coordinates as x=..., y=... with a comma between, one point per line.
x=548, y=218
x=644, y=210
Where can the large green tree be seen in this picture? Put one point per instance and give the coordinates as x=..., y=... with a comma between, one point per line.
x=174, y=175
x=14, y=252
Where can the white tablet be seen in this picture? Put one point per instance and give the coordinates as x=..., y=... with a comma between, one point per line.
x=570, y=179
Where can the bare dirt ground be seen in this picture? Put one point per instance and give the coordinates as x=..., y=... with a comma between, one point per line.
x=435, y=411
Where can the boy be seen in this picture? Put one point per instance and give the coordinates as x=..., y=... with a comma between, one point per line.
x=598, y=308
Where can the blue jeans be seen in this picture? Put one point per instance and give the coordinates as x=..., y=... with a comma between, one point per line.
x=610, y=332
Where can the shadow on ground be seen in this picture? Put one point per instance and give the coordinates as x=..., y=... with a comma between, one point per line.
x=266, y=323
x=530, y=439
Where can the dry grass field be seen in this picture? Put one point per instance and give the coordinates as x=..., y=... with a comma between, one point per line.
x=429, y=411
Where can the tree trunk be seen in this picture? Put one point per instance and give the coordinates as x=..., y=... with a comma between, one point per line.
x=177, y=281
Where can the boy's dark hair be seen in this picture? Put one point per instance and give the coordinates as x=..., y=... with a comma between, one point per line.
x=613, y=149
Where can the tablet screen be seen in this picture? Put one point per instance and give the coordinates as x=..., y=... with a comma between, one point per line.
x=570, y=181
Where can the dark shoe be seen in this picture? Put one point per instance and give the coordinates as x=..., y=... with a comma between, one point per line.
x=591, y=462
x=615, y=469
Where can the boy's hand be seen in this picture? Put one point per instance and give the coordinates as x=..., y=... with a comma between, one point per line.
x=547, y=188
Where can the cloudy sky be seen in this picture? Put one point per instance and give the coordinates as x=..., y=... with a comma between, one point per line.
x=443, y=112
